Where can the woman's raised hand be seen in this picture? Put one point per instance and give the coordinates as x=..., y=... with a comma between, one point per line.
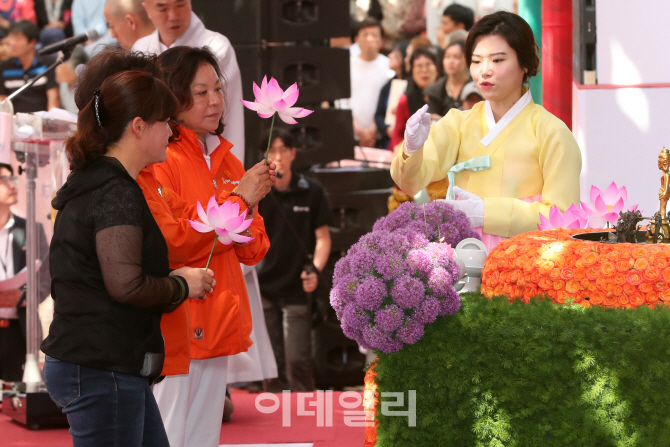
x=200, y=281
x=417, y=130
x=257, y=182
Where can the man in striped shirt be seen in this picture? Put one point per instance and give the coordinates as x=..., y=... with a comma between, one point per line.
x=24, y=65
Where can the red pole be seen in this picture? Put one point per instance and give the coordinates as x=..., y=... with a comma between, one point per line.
x=557, y=58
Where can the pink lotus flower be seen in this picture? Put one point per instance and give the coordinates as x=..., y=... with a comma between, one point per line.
x=225, y=220
x=270, y=98
x=572, y=218
x=605, y=206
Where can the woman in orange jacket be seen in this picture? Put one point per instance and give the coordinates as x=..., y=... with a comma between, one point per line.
x=200, y=165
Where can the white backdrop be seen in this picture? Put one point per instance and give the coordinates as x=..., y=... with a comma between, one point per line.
x=620, y=129
x=620, y=132
x=632, y=45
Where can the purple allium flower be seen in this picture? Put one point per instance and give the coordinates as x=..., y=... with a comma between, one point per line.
x=440, y=282
x=371, y=290
x=450, y=303
x=346, y=288
x=391, y=346
x=342, y=267
x=391, y=266
x=450, y=234
x=410, y=332
x=335, y=300
x=375, y=337
x=355, y=316
x=360, y=262
x=420, y=262
x=390, y=318
x=439, y=254
x=405, y=240
x=454, y=270
x=370, y=241
x=427, y=311
x=352, y=333
x=408, y=292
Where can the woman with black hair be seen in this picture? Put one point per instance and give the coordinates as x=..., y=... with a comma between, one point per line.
x=454, y=90
x=111, y=279
x=507, y=158
x=199, y=165
x=424, y=71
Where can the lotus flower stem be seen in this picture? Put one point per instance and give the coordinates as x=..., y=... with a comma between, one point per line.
x=267, y=152
x=216, y=236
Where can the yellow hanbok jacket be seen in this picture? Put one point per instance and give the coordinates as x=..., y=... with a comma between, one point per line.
x=536, y=155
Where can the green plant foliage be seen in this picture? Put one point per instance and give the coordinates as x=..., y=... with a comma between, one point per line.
x=497, y=374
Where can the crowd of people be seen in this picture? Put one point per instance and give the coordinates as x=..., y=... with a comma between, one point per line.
x=419, y=69
x=151, y=321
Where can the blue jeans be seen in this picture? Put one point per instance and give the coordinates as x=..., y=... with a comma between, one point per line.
x=105, y=408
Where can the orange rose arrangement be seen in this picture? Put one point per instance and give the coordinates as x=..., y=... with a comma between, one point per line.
x=550, y=263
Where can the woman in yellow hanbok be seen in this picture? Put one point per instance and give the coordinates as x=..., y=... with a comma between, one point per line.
x=507, y=159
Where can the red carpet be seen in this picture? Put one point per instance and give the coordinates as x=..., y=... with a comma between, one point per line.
x=249, y=426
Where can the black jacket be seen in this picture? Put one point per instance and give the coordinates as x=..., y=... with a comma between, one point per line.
x=101, y=210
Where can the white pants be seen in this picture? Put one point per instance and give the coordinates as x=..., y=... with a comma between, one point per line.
x=191, y=405
x=258, y=362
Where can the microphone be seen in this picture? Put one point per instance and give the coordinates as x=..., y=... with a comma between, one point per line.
x=68, y=44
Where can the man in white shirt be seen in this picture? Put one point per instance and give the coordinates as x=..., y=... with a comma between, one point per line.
x=370, y=71
x=127, y=21
x=12, y=260
x=177, y=25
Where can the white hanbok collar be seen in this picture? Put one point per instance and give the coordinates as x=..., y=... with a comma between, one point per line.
x=496, y=128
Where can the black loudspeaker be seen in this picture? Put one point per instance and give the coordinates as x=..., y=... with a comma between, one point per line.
x=324, y=136
x=584, y=39
x=352, y=179
x=322, y=73
x=259, y=21
x=354, y=214
x=337, y=361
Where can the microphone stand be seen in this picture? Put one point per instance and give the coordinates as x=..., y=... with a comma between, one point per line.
x=63, y=56
x=34, y=407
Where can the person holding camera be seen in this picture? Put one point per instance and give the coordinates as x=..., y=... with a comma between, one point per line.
x=295, y=207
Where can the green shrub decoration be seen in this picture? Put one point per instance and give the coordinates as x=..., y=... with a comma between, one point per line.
x=497, y=374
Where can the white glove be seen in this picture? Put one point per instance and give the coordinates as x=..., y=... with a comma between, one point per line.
x=417, y=130
x=472, y=205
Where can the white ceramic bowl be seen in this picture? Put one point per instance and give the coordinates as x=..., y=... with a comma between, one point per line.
x=472, y=244
x=471, y=258
x=461, y=265
x=473, y=272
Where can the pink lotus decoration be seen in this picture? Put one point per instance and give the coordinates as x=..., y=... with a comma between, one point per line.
x=225, y=220
x=270, y=98
x=572, y=218
x=605, y=207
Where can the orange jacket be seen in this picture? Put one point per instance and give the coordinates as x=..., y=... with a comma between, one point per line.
x=171, y=213
x=221, y=323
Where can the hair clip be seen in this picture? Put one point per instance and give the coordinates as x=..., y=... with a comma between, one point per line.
x=96, y=95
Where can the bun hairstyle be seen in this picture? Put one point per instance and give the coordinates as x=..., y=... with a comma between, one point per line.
x=105, y=117
x=178, y=67
x=515, y=31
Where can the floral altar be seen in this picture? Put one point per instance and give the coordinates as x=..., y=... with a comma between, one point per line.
x=562, y=346
x=567, y=270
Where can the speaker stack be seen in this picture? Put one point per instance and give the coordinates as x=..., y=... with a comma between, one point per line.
x=584, y=41
x=289, y=40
